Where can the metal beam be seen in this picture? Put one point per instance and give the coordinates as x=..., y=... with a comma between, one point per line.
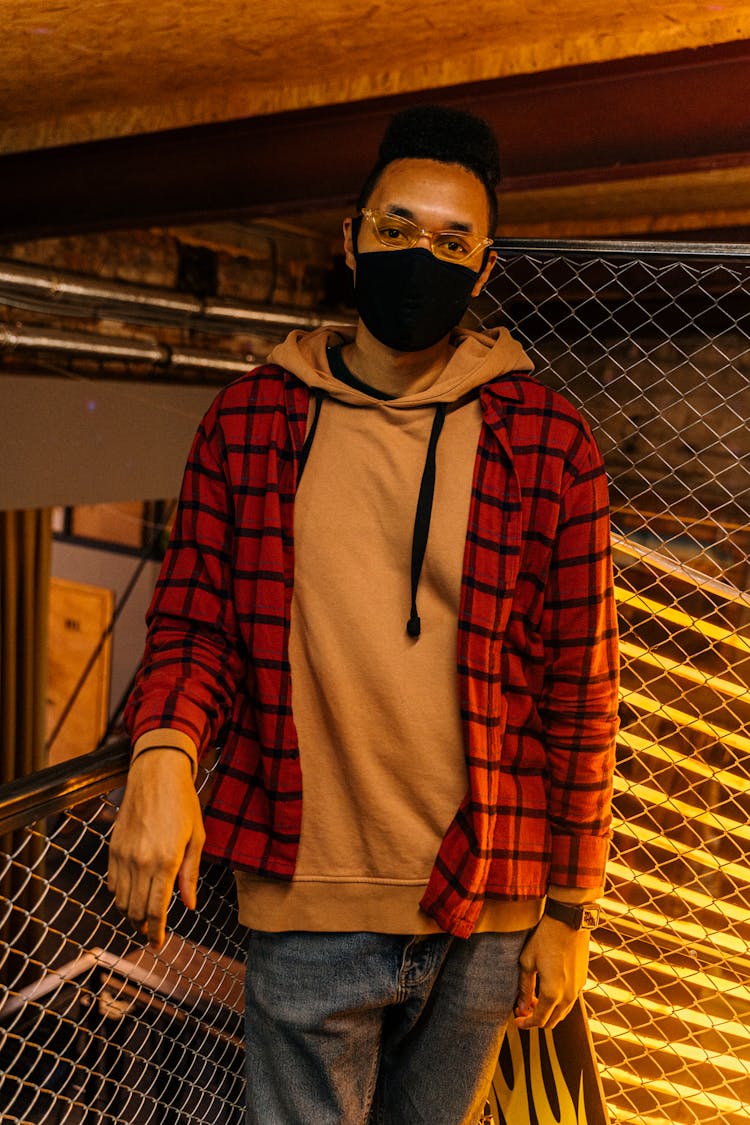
x=674, y=111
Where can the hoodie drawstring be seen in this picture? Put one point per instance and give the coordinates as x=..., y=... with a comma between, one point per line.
x=422, y=518
x=317, y=394
x=424, y=502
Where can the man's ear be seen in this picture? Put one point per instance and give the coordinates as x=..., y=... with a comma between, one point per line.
x=349, y=243
x=484, y=275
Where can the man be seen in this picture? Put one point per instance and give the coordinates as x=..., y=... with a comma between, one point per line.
x=389, y=592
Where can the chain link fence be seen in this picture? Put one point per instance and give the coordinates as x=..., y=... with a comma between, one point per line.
x=651, y=342
x=95, y=1028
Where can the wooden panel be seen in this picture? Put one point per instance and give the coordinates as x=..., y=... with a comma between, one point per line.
x=79, y=616
x=76, y=72
x=112, y=523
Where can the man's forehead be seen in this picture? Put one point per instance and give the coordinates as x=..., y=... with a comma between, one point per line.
x=427, y=190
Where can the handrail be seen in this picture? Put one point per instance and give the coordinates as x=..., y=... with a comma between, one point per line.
x=650, y=556
x=614, y=247
x=58, y=787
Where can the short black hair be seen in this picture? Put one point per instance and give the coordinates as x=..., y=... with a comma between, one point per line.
x=450, y=136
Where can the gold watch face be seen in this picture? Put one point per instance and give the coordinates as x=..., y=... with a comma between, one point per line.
x=590, y=918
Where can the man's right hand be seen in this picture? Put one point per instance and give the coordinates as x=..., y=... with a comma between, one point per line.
x=157, y=838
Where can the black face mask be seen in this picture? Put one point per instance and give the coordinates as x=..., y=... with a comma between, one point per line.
x=409, y=299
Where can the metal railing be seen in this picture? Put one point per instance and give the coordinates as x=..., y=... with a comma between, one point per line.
x=93, y=1026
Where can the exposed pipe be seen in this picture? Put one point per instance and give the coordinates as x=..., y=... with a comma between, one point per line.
x=81, y=343
x=68, y=286
x=214, y=361
x=126, y=349
x=220, y=309
x=65, y=287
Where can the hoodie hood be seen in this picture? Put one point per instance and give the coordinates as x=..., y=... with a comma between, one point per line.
x=477, y=358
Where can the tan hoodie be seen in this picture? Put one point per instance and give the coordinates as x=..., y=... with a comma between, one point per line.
x=377, y=710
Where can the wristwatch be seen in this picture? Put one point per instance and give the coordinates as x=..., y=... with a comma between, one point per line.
x=579, y=916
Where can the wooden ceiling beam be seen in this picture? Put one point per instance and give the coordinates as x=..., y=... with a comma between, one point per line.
x=676, y=112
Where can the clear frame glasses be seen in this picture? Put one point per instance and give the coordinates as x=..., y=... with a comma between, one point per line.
x=397, y=233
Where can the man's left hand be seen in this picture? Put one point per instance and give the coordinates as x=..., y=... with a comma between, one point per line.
x=557, y=957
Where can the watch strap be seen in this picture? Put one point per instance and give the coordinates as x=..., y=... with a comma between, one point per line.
x=579, y=916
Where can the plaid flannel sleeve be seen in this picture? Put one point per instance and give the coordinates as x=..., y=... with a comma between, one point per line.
x=579, y=701
x=193, y=658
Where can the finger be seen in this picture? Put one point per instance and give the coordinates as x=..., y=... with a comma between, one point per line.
x=521, y=1017
x=526, y=999
x=121, y=888
x=140, y=889
x=559, y=1013
x=156, y=910
x=188, y=873
x=540, y=1012
x=112, y=872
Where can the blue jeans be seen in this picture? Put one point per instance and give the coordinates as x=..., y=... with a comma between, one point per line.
x=346, y=1029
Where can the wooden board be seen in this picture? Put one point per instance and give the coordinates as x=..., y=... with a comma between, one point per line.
x=74, y=72
x=545, y=1077
x=120, y=523
x=79, y=616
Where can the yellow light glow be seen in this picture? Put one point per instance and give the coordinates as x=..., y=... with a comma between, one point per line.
x=677, y=928
x=628, y=1115
x=695, y=855
x=683, y=1050
x=698, y=899
x=726, y=778
x=695, y=978
x=683, y=719
x=686, y=671
x=691, y=1017
x=678, y=1091
x=679, y=617
x=657, y=798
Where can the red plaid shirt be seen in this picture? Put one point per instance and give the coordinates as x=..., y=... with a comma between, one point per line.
x=537, y=643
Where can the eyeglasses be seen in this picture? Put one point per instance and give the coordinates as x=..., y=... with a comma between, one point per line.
x=398, y=233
